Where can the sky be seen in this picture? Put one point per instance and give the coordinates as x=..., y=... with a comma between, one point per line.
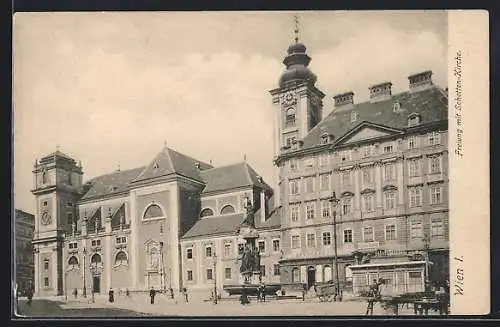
x=110, y=89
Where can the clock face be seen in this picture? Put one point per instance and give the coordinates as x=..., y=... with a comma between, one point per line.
x=46, y=219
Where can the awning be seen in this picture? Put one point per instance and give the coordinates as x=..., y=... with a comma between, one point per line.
x=387, y=264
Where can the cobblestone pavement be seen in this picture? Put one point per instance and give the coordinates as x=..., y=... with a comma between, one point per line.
x=139, y=305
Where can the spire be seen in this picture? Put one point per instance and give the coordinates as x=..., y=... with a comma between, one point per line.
x=297, y=25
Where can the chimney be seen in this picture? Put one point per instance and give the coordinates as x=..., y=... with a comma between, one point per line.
x=420, y=81
x=197, y=165
x=262, y=206
x=381, y=91
x=343, y=99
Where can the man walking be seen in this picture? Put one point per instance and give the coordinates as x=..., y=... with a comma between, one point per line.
x=111, y=295
x=152, y=295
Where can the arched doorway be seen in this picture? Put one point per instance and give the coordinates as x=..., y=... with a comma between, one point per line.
x=311, y=276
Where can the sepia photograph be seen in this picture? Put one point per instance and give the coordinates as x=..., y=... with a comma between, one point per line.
x=183, y=164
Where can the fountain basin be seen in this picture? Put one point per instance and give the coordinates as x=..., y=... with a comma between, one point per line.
x=251, y=289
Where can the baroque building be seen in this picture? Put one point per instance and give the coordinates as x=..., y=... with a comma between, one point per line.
x=379, y=167
x=24, y=268
x=168, y=224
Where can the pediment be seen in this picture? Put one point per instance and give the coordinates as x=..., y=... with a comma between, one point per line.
x=367, y=131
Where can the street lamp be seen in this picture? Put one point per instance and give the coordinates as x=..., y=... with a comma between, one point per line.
x=215, y=278
x=84, y=268
x=426, y=241
x=335, y=203
x=66, y=284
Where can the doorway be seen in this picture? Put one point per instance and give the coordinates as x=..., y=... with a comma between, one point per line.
x=96, y=284
x=311, y=276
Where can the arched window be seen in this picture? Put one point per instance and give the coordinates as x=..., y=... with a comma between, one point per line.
x=121, y=258
x=73, y=262
x=70, y=219
x=295, y=275
x=96, y=258
x=227, y=210
x=206, y=212
x=45, y=178
x=153, y=211
x=290, y=116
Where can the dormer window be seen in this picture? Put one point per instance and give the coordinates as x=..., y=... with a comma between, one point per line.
x=354, y=116
x=295, y=144
x=290, y=141
x=325, y=138
x=290, y=117
x=396, y=106
x=156, y=166
x=413, y=120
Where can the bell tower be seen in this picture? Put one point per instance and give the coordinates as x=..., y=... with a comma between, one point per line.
x=57, y=187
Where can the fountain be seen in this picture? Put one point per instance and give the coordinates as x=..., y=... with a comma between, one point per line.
x=250, y=260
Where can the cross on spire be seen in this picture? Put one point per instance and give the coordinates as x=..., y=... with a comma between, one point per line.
x=297, y=25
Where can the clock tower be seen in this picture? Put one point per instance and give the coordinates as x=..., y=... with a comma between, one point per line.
x=57, y=187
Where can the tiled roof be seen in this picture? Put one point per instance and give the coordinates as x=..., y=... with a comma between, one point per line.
x=431, y=104
x=57, y=155
x=215, y=225
x=169, y=162
x=111, y=183
x=230, y=177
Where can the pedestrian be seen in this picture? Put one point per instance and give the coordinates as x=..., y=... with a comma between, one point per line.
x=127, y=293
x=152, y=294
x=244, y=297
x=263, y=292
x=184, y=290
x=75, y=293
x=30, y=295
x=111, y=295
x=304, y=292
x=171, y=293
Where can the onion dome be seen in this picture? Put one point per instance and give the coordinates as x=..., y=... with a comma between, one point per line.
x=297, y=62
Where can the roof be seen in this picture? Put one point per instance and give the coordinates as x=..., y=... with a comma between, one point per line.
x=57, y=155
x=232, y=176
x=431, y=104
x=215, y=225
x=169, y=162
x=111, y=183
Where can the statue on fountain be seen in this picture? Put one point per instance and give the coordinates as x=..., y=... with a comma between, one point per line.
x=249, y=218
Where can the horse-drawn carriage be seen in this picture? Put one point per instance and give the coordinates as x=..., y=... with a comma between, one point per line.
x=327, y=292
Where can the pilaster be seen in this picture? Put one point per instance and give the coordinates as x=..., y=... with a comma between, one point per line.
x=174, y=237
x=134, y=241
x=378, y=185
x=400, y=182
x=108, y=253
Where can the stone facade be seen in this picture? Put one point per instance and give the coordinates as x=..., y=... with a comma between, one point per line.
x=25, y=268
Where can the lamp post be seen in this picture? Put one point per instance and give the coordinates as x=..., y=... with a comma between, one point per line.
x=66, y=284
x=93, y=271
x=426, y=241
x=84, y=268
x=215, y=278
x=335, y=203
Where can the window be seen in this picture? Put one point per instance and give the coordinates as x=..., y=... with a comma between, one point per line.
x=354, y=116
x=262, y=246
x=121, y=240
x=44, y=203
x=227, y=273
x=309, y=163
x=435, y=194
x=276, y=245
x=412, y=142
x=294, y=213
x=367, y=151
x=323, y=159
x=293, y=164
x=310, y=240
x=414, y=281
x=388, y=148
x=324, y=181
x=226, y=210
x=367, y=176
x=290, y=117
x=396, y=106
x=73, y=262
x=323, y=139
x=325, y=209
x=208, y=251
x=310, y=210
x=309, y=183
x=241, y=248
x=413, y=120
x=45, y=178
x=46, y=282
x=346, y=205
x=276, y=270
x=346, y=178
x=189, y=275
x=368, y=202
x=153, y=211
x=73, y=245
x=96, y=243
x=95, y=259
x=390, y=232
x=416, y=229
x=414, y=167
x=206, y=212
x=434, y=138
x=189, y=253
x=263, y=270
x=389, y=172
x=390, y=200
x=437, y=228
x=290, y=141
x=327, y=238
x=227, y=249
x=294, y=187
x=209, y=274
x=69, y=204
x=295, y=275
x=121, y=258
x=345, y=155
x=368, y=234
x=295, y=241
x=435, y=165
x=415, y=197
x=348, y=236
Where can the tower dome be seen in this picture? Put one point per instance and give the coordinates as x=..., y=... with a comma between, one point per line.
x=297, y=62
